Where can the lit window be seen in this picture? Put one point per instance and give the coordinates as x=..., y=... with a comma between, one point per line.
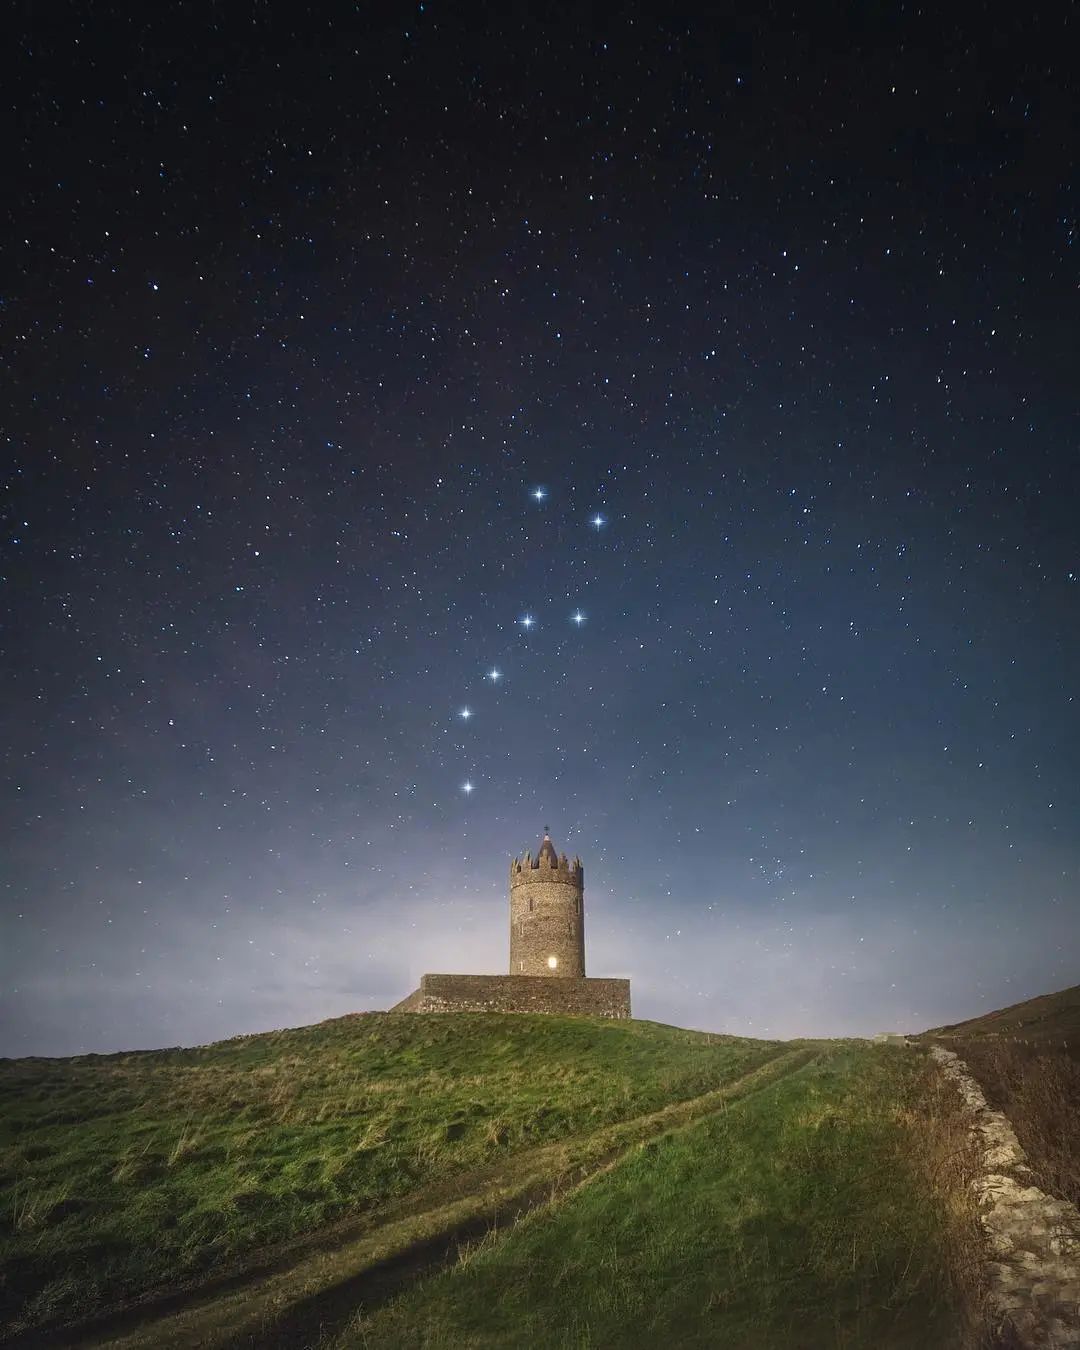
x=553, y=961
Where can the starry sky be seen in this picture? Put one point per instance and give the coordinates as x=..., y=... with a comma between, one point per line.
x=426, y=423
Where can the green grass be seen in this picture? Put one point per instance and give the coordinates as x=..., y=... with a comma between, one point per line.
x=811, y=1214
x=130, y=1173
x=322, y=1282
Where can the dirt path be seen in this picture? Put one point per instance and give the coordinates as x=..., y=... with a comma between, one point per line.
x=292, y=1294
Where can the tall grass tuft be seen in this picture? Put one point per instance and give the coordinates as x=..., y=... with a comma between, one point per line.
x=32, y=1206
x=942, y=1155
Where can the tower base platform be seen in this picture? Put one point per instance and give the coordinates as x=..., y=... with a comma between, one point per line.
x=584, y=997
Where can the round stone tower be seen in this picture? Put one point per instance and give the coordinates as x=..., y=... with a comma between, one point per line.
x=547, y=914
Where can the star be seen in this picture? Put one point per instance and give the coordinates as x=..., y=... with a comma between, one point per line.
x=465, y=714
x=467, y=787
x=577, y=617
x=597, y=521
x=539, y=493
x=526, y=621
x=494, y=675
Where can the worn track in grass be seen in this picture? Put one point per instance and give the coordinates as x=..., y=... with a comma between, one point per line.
x=293, y=1293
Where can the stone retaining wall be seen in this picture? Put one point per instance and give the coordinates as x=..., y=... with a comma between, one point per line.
x=519, y=993
x=1033, y=1238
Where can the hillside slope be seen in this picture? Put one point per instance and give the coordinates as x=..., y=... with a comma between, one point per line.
x=484, y=1180
x=826, y=1210
x=1048, y=1017
x=123, y=1175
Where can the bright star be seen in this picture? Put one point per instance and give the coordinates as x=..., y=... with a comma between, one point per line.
x=494, y=676
x=577, y=617
x=597, y=521
x=527, y=621
x=539, y=493
x=467, y=788
x=465, y=714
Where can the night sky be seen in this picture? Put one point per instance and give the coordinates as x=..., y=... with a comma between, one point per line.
x=422, y=424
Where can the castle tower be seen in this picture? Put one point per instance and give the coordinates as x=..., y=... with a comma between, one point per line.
x=547, y=953
x=547, y=914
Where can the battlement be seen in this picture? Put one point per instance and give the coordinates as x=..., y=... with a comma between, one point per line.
x=526, y=869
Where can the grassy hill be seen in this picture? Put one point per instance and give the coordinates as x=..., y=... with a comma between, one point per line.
x=298, y=1187
x=120, y=1174
x=1050, y=1017
x=805, y=1219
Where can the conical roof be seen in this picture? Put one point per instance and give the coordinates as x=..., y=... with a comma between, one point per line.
x=547, y=851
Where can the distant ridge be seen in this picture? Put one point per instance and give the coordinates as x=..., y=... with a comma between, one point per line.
x=1048, y=1017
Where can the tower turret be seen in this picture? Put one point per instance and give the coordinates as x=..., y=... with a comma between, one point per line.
x=547, y=914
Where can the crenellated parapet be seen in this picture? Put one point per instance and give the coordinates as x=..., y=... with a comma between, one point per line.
x=546, y=868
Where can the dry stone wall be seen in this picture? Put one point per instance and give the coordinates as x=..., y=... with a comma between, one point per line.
x=1033, y=1238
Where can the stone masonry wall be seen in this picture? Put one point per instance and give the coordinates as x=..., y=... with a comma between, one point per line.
x=547, y=919
x=519, y=993
x=1033, y=1239
x=411, y=1003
